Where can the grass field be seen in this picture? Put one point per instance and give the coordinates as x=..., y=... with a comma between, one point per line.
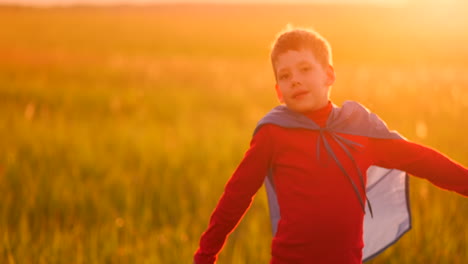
x=120, y=126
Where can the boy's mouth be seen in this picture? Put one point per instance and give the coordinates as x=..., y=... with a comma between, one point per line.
x=299, y=94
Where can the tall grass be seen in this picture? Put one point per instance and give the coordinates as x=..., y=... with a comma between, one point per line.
x=120, y=126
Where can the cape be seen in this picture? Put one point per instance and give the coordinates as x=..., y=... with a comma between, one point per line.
x=387, y=214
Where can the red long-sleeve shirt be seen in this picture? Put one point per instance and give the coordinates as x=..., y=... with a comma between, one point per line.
x=321, y=218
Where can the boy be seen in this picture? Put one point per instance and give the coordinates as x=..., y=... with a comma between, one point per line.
x=314, y=154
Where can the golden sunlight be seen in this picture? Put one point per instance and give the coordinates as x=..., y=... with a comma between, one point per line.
x=139, y=2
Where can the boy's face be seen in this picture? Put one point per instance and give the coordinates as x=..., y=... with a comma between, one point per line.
x=302, y=82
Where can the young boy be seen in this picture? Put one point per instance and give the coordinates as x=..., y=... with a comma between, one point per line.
x=316, y=156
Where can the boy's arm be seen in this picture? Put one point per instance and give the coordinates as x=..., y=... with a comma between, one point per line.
x=421, y=161
x=237, y=196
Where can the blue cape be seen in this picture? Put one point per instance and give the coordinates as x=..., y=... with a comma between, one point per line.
x=389, y=218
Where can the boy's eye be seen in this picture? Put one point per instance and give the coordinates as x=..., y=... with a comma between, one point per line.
x=305, y=69
x=283, y=76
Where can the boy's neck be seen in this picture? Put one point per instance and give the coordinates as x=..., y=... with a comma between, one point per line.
x=320, y=116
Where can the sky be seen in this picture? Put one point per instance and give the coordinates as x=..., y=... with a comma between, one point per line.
x=138, y=2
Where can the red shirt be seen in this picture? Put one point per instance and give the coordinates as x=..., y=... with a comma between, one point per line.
x=321, y=218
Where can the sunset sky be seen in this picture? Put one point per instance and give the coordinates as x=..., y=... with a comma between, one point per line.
x=389, y=3
x=66, y=2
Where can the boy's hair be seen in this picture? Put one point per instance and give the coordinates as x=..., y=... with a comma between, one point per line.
x=299, y=39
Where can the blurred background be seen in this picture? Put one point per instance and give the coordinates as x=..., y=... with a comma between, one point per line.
x=120, y=122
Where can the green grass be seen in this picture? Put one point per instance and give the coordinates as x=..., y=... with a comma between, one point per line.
x=120, y=126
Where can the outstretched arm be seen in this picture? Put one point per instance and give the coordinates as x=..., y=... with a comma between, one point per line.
x=237, y=196
x=421, y=161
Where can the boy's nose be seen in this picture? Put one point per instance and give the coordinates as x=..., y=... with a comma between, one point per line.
x=295, y=80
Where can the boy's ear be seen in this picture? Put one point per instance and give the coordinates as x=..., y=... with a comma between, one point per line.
x=279, y=94
x=330, y=71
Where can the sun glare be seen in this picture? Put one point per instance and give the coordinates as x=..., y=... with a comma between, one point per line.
x=139, y=2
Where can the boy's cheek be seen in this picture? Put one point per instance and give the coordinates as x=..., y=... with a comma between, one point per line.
x=279, y=93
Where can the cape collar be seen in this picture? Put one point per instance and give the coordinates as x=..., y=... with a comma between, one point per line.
x=351, y=118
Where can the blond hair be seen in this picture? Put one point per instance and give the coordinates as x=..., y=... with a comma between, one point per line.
x=301, y=39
